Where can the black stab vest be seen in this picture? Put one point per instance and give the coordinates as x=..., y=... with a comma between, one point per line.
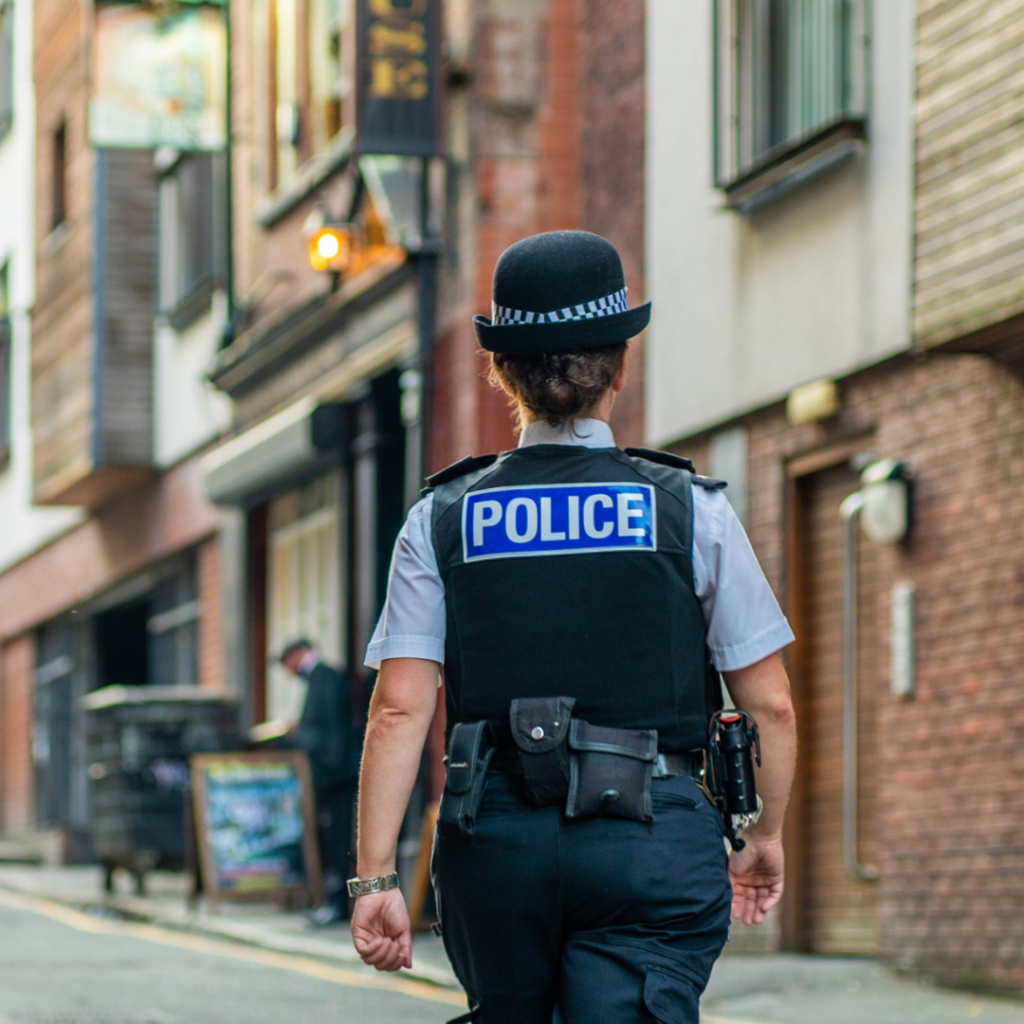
x=617, y=627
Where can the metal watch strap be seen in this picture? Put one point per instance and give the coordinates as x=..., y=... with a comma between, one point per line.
x=365, y=886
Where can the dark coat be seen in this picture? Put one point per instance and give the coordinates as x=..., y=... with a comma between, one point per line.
x=326, y=730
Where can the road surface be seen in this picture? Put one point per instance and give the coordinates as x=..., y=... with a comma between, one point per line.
x=62, y=966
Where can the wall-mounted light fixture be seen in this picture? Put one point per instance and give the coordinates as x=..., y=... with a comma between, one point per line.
x=330, y=248
x=885, y=488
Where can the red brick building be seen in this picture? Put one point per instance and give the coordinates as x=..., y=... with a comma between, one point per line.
x=873, y=253
x=551, y=137
x=269, y=505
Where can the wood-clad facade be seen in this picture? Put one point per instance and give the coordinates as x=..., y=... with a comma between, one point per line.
x=63, y=314
x=130, y=590
x=96, y=272
x=969, y=199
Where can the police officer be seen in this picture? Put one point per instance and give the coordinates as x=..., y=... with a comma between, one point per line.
x=569, y=589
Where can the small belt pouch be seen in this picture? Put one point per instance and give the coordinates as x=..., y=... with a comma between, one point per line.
x=540, y=728
x=470, y=750
x=610, y=771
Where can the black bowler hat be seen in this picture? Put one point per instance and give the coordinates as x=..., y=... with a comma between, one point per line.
x=558, y=292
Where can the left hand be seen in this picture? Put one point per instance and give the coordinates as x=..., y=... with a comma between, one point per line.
x=756, y=873
x=381, y=931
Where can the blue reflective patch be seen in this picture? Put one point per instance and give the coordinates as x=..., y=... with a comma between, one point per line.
x=558, y=519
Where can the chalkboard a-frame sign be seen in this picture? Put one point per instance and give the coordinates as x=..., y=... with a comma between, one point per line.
x=256, y=826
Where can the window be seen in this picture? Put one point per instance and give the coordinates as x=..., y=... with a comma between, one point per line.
x=145, y=633
x=6, y=66
x=5, y=368
x=310, y=80
x=59, y=151
x=790, y=75
x=191, y=248
x=329, y=76
x=173, y=627
x=303, y=583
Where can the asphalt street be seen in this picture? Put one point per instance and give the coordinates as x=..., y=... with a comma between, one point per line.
x=61, y=966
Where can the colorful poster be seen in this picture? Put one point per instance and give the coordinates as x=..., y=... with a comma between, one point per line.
x=159, y=77
x=254, y=822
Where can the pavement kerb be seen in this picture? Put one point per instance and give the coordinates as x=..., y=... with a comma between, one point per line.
x=250, y=935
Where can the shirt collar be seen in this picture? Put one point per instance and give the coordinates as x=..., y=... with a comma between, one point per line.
x=584, y=433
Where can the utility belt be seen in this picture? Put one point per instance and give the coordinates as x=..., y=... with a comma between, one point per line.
x=666, y=766
x=589, y=769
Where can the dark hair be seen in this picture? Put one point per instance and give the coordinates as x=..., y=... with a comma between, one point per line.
x=298, y=644
x=558, y=386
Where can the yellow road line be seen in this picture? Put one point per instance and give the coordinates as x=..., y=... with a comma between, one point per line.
x=218, y=947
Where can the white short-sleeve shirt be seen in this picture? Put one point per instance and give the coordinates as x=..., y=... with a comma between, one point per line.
x=745, y=622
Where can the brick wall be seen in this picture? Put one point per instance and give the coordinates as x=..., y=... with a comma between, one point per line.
x=950, y=805
x=612, y=163
x=139, y=528
x=526, y=132
x=211, y=623
x=16, y=769
x=557, y=125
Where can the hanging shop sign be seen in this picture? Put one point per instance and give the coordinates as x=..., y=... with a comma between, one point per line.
x=159, y=76
x=398, y=74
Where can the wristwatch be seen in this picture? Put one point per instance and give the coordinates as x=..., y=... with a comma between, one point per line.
x=365, y=886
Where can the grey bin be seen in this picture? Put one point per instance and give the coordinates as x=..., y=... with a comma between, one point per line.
x=140, y=739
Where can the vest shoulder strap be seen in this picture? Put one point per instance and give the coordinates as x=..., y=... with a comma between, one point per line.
x=467, y=465
x=677, y=462
x=452, y=483
x=664, y=458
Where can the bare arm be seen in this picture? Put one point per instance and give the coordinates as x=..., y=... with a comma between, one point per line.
x=757, y=871
x=402, y=708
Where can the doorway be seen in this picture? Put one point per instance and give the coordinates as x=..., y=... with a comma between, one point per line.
x=833, y=909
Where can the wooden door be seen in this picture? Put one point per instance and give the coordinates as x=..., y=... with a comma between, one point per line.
x=839, y=911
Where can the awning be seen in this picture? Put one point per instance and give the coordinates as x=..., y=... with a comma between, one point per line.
x=284, y=448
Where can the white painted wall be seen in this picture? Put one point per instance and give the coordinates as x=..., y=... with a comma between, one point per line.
x=747, y=307
x=23, y=528
x=188, y=411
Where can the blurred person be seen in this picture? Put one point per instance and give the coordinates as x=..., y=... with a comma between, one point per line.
x=327, y=733
x=581, y=601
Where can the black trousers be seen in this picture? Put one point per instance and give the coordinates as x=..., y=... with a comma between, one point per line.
x=334, y=811
x=548, y=920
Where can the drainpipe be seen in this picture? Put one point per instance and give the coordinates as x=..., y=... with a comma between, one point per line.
x=850, y=512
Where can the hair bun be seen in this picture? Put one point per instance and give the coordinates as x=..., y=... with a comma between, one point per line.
x=559, y=386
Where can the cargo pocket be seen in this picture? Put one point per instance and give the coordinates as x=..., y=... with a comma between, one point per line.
x=671, y=998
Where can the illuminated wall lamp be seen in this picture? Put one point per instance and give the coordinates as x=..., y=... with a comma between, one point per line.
x=330, y=248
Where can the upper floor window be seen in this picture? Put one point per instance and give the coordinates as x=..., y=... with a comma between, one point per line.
x=791, y=85
x=311, y=79
x=191, y=247
x=5, y=367
x=59, y=176
x=6, y=66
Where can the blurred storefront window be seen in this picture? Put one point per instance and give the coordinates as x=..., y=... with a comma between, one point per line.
x=304, y=593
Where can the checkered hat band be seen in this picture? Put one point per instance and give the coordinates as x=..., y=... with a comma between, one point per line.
x=614, y=303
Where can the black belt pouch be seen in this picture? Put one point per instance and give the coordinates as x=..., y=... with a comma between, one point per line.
x=470, y=749
x=540, y=728
x=610, y=771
